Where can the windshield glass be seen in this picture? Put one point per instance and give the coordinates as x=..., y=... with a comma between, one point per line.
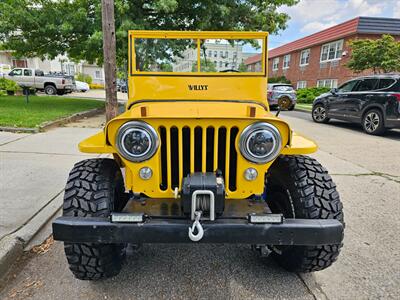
x=223, y=56
x=283, y=88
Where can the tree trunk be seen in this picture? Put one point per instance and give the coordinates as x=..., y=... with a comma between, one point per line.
x=110, y=65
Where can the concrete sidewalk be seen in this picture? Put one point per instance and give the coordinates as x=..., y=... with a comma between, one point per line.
x=33, y=172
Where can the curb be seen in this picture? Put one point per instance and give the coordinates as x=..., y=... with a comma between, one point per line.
x=12, y=245
x=56, y=123
x=302, y=110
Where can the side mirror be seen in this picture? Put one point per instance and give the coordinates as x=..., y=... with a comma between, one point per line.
x=334, y=91
x=11, y=74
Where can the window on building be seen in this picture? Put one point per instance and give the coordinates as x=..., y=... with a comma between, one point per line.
x=329, y=83
x=331, y=51
x=234, y=54
x=304, y=57
x=226, y=64
x=215, y=53
x=226, y=54
x=98, y=75
x=301, y=84
x=275, y=64
x=286, y=61
x=221, y=54
x=220, y=64
x=27, y=72
x=210, y=53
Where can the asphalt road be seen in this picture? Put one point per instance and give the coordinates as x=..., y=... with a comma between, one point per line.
x=366, y=170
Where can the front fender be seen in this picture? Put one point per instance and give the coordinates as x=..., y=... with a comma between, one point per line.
x=299, y=145
x=96, y=144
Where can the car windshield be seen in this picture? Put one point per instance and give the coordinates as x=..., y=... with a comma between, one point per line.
x=283, y=88
x=222, y=56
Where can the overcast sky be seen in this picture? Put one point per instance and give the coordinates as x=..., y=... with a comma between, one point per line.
x=310, y=16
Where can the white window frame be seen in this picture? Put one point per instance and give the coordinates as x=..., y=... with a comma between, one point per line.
x=330, y=83
x=275, y=64
x=286, y=62
x=98, y=77
x=337, y=47
x=301, y=84
x=306, y=58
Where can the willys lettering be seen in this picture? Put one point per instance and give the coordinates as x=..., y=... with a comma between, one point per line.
x=198, y=87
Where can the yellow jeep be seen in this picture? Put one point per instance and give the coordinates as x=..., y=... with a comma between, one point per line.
x=197, y=157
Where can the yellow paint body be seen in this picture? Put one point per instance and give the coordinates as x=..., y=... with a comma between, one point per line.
x=231, y=101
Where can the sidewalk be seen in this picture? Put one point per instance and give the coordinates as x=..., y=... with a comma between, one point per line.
x=97, y=94
x=33, y=172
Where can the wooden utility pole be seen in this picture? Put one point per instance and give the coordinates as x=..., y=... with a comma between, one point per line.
x=110, y=64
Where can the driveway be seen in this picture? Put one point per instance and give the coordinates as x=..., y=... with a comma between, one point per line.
x=366, y=170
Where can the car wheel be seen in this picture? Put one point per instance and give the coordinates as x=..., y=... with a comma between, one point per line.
x=373, y=122
x=319, y=114
x=292, y=107
x=95, y=188
x=300, y=187
x=50, y=90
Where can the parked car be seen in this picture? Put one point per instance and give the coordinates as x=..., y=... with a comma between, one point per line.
x=372, y=101
x=36, y=79
x=81, y=86
x=122, y=86
x=281, y=94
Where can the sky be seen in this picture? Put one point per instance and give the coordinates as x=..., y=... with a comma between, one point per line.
x=310, y=16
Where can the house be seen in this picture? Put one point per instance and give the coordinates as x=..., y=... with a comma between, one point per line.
x=320, y=59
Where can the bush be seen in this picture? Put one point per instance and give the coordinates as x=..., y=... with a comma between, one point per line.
x=85, y=78
x=308, y=95
x=9, y=85
x=96, y=86
x=280, y=79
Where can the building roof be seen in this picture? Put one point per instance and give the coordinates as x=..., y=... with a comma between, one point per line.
x=358, y=25
x=252, y=59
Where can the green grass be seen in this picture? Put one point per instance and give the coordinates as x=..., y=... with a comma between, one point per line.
x=15, y=112
x=304, y=106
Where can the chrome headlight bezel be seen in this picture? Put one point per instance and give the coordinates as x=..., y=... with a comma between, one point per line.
x=146, y=129
x=250, y=131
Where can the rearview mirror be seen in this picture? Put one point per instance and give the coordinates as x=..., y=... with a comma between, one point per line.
x=11, y=73
x=334, y=91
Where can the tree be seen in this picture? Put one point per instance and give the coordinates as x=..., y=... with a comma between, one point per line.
x=279, y=79
x=205, y=66
x=242, y=67
x=381, y=55
x=46, y=28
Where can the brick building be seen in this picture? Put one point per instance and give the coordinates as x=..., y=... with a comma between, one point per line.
x=319, y=59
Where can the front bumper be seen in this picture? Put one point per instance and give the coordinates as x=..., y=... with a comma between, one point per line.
x=175, y=230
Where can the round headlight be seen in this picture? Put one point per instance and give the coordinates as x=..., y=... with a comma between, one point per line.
x=137, y=141
x=260, y=142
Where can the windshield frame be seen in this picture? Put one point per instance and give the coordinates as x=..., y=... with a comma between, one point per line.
x=196, y=36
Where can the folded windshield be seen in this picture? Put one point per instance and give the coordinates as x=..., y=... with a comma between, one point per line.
x=188, y=56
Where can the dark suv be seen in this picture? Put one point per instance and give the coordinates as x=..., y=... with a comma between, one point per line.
x=373, y=101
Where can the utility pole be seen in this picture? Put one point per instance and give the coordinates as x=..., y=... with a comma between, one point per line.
x=109, y=51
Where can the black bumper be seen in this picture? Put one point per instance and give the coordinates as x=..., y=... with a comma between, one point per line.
x=290, y=232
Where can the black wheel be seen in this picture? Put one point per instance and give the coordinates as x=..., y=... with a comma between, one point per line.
x=319, y=114
x=292, y=107
x=50, y=90
x=95, y=187
x=372, y=122
x=299, y=187
x=60, y=92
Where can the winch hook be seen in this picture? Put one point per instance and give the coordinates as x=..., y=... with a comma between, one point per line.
x=196, y=225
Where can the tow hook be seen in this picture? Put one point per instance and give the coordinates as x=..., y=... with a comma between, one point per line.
x=196, y=226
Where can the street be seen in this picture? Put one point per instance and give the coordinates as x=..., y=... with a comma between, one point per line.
x=366, y=170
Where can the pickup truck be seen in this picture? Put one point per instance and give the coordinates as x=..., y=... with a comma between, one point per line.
x=36, y=79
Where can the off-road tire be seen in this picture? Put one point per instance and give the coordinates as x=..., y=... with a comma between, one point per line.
x=94, y=188
x=292, y=107
x=50, y=90
x=369, y=125
x=299, y=187
x=315, y=114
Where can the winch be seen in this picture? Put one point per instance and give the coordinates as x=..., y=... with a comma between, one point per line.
x=203, y=194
